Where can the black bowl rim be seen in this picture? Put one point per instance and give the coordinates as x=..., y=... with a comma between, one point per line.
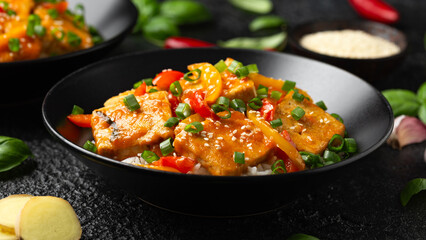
x=134, y=16
x=117, y=164
x=296, y=44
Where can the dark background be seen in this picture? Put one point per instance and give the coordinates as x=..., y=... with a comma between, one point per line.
x=362, y=203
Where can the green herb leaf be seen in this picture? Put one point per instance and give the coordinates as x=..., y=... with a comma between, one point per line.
x=422, y=113
x=421, y=93
x=184, y=11
x=255, y=6
x=402, y=101
x=13, y=152
x=265, y=22
x=147, y=9
x=412, y=188
x=276, y=41
x=158, y=29
x=301, y=236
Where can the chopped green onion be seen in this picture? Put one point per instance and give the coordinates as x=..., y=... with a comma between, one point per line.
x=33, y=20
x=234, y=66
x=152, y=90
x=73, y=39
x=242, y=72
x=14, y=45
x=220, y=66
x=278, y=167
x=336, y=143
x=224, y=101
x=238, y=105
x=194, y=127
x=261, y=86
x=276, y=95
x=77, y=110
x=276, y=123
x=131, y=102
x=297, y=113
x=262, y=93
x=148, y=81
x=337, y=116
x=176, y=88
x=166, y=147
x=350, y=145
x=220, y=108
x=288, y=85
x=39, y=30
x=89, y=145
x=173, y=121
x=55, y=35
x=149, y=156
x=239, y=158
x=252, y=68
x=322, y=105
x=298, y=96
x=190, y=74
x=183, y=110
x=10, y=12
x=311, y=159
x=53, y=13
x=255, y=103
x=331, y=156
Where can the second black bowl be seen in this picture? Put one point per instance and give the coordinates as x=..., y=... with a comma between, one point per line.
x=367, y=115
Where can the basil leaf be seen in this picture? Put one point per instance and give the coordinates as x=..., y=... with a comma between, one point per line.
x=276, y=41
x=421, y=93
x=412, y=188
x=146, y=9
x=158, y=28
x=255, y=6
x=265, y=22
x=184, y=11
x=13, y=152
x=402, y=101
x=422, y=113
x=301, y=236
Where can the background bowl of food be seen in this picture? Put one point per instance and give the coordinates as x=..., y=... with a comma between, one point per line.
x=368, y=49
x=131, y=136
x=41, y=41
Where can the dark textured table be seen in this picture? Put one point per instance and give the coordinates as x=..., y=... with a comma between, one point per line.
x=362, y=203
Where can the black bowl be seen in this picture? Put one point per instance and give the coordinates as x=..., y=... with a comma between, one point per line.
x=367, y=115
x=23, y=81
x=371, y=70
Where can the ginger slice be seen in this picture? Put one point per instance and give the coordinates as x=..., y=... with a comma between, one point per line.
x=10, y=208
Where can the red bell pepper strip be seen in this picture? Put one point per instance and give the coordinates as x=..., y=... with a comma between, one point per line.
x=141, y=90
x=174, y=102
x=376, y=10
x=290, y=167
x=182, y=164
x=185, y=42
x=2, y=10
x=81, y=120
x=267, y=110
x=198, y=105
x=164, y=79
x=61, y=7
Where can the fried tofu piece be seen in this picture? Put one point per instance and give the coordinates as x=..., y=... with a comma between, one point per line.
x=120, y=133
x=214, y=147
x=314, y=130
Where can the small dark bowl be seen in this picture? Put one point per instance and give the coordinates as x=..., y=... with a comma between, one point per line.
x=368, y=69
x=367, y=115
x=24, y=81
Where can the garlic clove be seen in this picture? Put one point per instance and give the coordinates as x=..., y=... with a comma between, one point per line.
x=410, y=130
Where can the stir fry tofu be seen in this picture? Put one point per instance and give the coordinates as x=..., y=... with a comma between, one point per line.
x=120, y=133
x=214, y=147
x=314, y=130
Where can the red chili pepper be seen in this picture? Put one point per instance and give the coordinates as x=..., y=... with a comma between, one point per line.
x=267, y=110
x=182, y=164
x=376, y=10
x=164, y=79
x=290, y=167
x=198, y=105
x=185, y=42
x=81, y=120
x=141, y=90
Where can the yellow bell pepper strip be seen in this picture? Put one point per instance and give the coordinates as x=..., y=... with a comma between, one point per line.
x=281, y=142
x=211, y=80
x=161, y=168
x=259, y=79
